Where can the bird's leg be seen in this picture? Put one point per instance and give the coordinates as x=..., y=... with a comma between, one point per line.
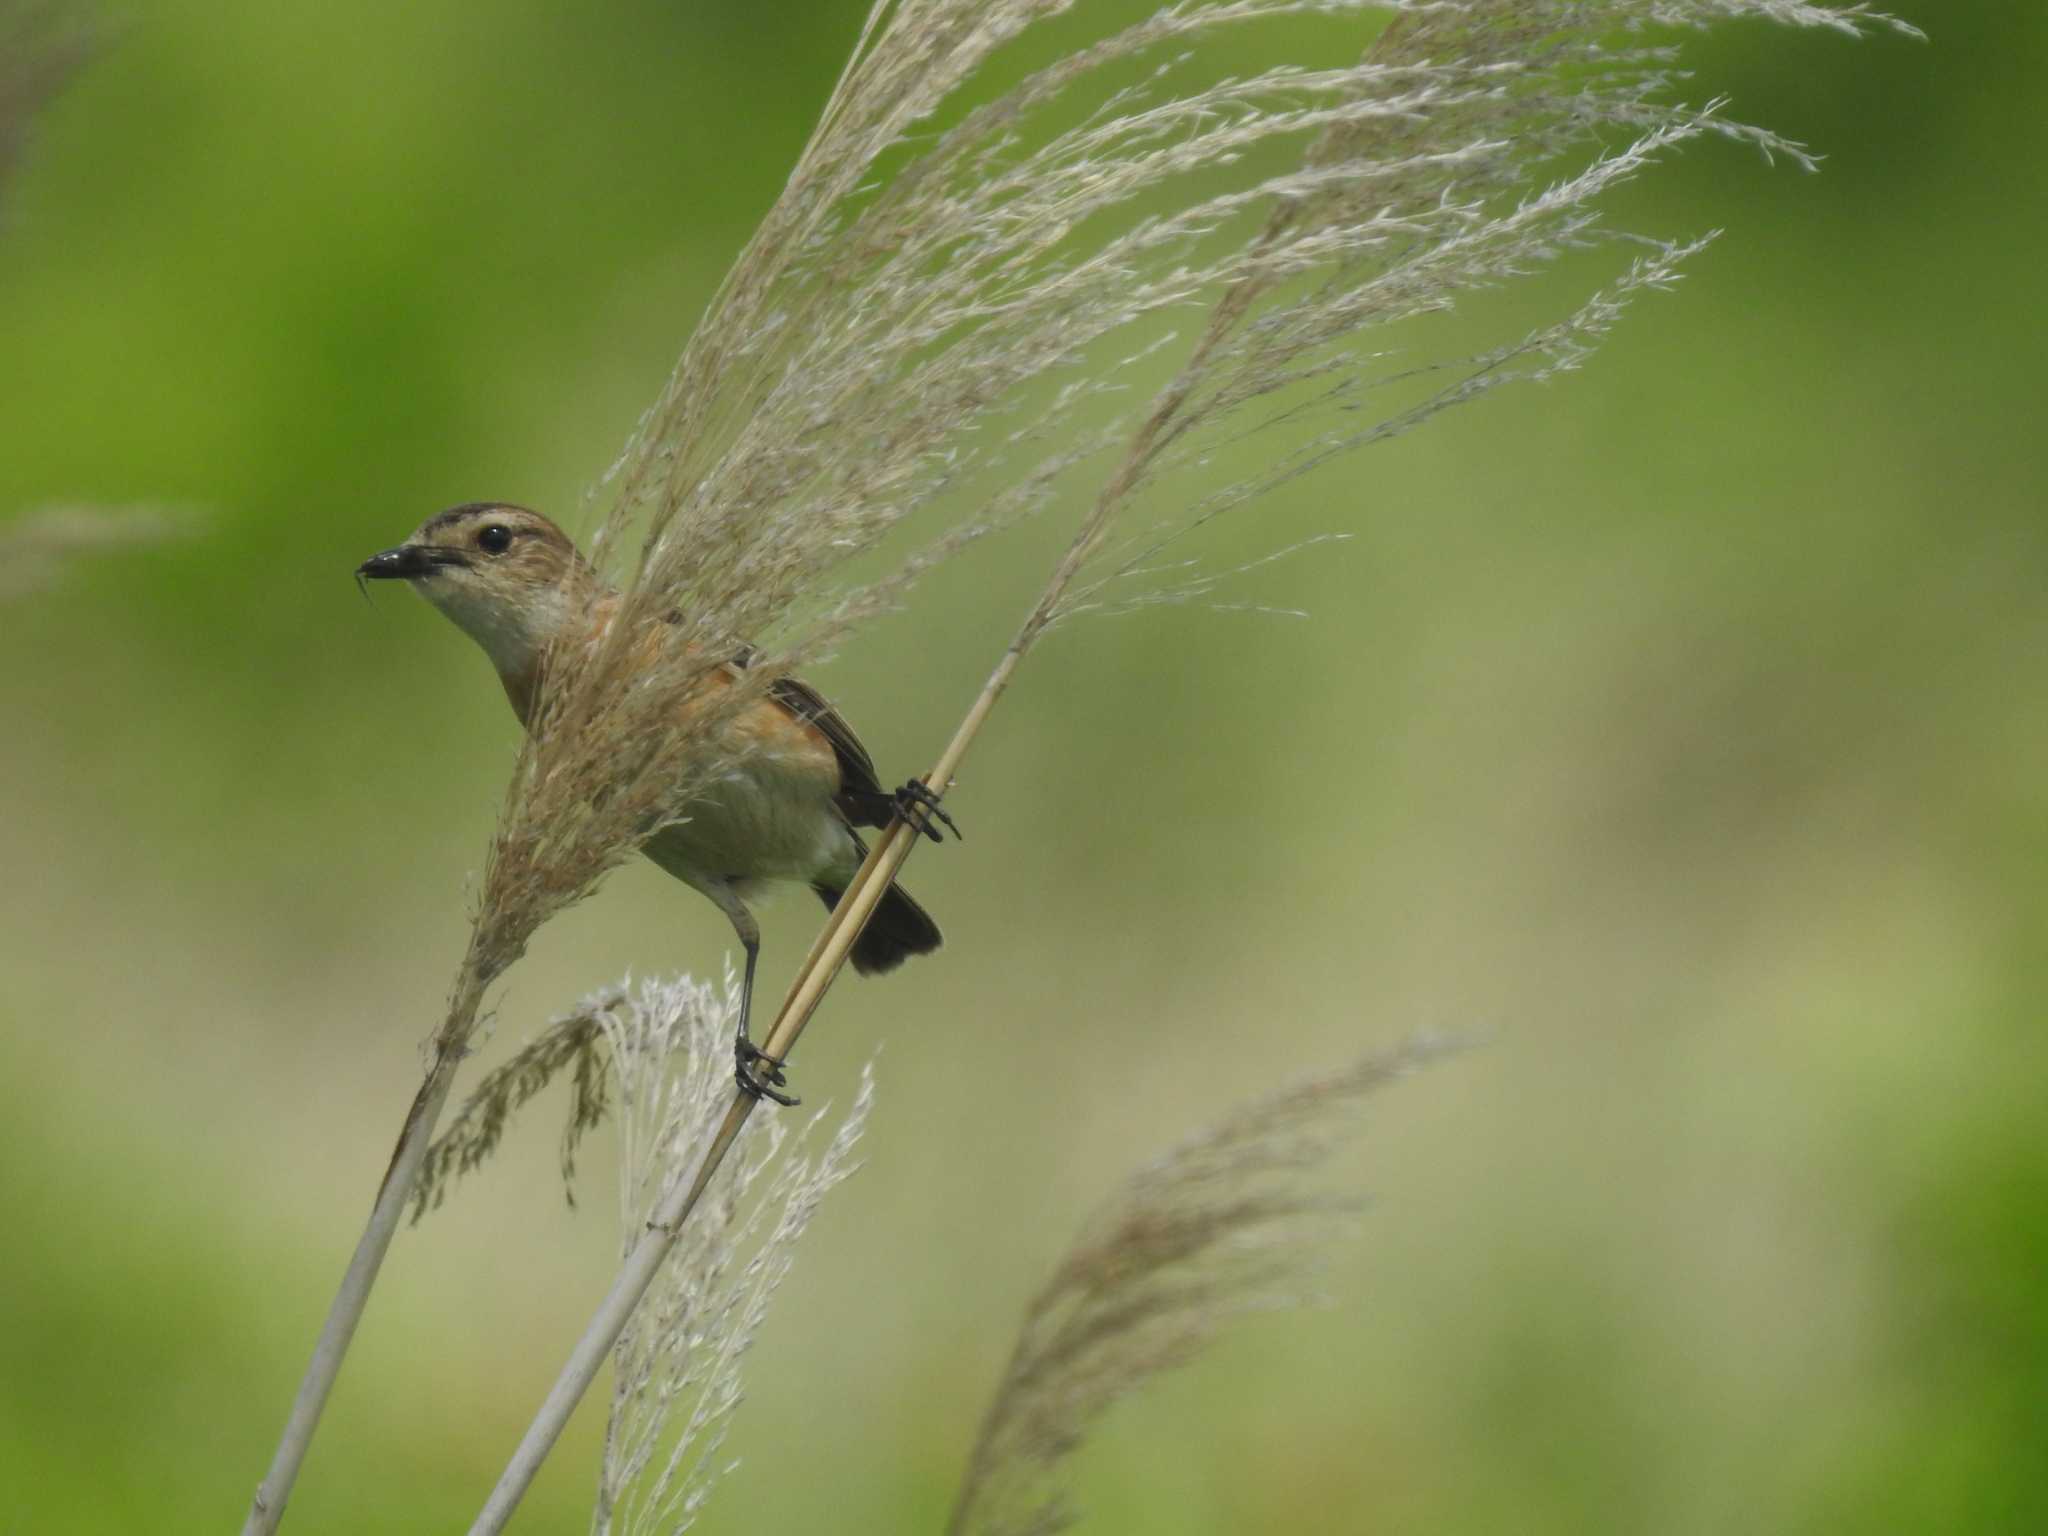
x=916, y=804
x=748, y=1058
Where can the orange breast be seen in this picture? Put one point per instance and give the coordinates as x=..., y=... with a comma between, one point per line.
x=763, y=727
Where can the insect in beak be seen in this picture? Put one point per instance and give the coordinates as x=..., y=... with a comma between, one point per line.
x=407, y=562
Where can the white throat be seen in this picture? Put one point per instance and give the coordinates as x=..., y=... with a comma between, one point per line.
x=513, y=637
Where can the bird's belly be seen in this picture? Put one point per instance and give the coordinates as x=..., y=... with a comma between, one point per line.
x=768, y=822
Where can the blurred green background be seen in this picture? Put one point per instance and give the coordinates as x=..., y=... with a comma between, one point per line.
x=1683, y=726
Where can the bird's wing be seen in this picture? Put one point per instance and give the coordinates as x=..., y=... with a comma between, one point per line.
x=858, y=785
x=856, y=768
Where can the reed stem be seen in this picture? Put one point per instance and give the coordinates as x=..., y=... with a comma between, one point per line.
x=266, y=1510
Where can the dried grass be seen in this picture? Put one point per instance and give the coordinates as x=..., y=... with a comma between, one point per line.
x=676, y=1367
x=573, y=1043
x=656, y=1059
x=1229, y=1223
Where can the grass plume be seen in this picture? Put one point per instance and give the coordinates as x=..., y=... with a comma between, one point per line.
x=655, y=1058
x=676, y=1367
x=574, y=1043
x=1230, y=1222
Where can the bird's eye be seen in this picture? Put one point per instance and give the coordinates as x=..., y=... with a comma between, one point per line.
x=494, y=540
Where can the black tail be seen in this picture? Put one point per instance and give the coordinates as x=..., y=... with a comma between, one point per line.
x=899, y=929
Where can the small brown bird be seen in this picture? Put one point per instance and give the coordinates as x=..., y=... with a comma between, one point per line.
x=515, y=583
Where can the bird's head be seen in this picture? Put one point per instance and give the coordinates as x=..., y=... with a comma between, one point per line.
x=509, y=578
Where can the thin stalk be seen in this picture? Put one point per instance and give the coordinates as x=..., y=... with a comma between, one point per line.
x=266, y=1510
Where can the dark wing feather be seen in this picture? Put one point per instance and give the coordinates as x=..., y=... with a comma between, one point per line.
x=856, y=768
x=860, y=792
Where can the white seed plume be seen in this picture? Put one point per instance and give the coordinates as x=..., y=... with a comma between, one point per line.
x=677, y=1365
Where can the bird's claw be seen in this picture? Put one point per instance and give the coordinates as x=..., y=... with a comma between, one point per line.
x=917, y=803
x=748, y=1058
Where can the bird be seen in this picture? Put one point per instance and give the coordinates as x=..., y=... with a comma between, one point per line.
x=803, y=784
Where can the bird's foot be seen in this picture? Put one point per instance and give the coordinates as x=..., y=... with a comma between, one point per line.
x=748, y=1060
x=917, y=804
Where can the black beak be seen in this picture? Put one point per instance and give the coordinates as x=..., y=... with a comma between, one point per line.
x=406, y=562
